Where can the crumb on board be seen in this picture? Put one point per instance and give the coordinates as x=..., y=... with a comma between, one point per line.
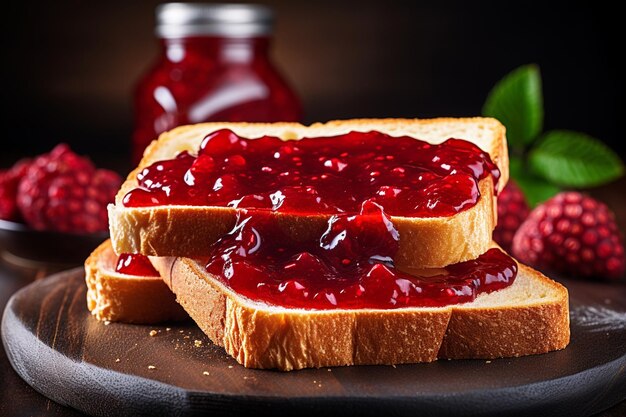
x=330, y=370
x=107, y=322
x=117, y=360
x=153, y=333
x=197, y=343
x=205, y=373
x=151, y=367
x=230, y=367
x=487, y=361
x=167, y=329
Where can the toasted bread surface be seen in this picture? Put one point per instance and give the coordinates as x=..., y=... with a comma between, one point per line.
x=112, y=296
x=529, y=317
x=425, y=242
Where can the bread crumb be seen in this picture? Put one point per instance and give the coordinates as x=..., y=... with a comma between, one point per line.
x=153, y=333
x=319, y=385
x=187, y=337
x=106, y=322
x=393, y=365
x=117, y=360
x=205, y=373
x=151, y=367
x=167, y=329
x=230, y=367
x=487, y=361
x=330, y=370
x=181, y=331
x=197, y=343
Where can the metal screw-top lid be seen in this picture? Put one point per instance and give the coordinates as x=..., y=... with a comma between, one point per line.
x=176, y=20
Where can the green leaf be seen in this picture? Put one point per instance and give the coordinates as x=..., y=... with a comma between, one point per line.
x=517, y=101
x=536, y=189
x=573, y=159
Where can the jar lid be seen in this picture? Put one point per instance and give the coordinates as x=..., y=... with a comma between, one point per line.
x=176, y=20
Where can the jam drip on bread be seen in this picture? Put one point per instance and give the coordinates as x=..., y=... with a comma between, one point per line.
x=135, y=264
x=324, y=175
x=350, y=266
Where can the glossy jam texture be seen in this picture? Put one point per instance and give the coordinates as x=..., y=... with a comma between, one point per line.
x=350, y=266
x=135, y=264
x=406, y=176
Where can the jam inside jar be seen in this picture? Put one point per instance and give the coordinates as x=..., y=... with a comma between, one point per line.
x=214, y=66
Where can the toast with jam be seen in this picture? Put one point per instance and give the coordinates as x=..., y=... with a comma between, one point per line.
x=128, y=289
x=528, y=317
x=344, y=243
x=190, y=184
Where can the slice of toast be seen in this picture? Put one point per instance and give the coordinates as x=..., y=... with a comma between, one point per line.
x=425, y=242
x=112, y=296
x=529, y=317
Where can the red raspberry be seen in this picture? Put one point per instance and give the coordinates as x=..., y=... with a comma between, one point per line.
x=8, y=191
x=574, y=234
x=9, y=181
x=65, y=192
x=512, y=211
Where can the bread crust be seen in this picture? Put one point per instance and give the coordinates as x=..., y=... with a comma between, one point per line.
x=127, y=298
x=261, y=336
x=191, y=231
x=424, y=243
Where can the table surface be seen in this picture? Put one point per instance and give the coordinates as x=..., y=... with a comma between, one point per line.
x=18, y=399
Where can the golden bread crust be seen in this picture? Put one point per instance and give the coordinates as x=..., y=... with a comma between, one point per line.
x=125, y=298
x=189, y=230
x=261, y=336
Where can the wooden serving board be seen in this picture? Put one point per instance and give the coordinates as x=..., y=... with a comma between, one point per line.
x=57, y=347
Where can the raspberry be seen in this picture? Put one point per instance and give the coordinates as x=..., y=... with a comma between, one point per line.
x=9, y=181
x=512, y=211
x=8, y=191
x=65, y=192
x=574, y=234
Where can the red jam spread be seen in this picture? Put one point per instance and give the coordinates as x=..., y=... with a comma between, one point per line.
x=135, y=264
x=350, y=266
x=331, y=175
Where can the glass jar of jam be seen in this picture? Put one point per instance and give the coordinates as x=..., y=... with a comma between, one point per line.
x=214, y=66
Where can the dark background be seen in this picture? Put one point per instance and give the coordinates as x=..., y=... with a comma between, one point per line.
x=69, y=66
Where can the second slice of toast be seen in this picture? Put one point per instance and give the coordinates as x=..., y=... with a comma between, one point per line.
x=529, y=317
x=112, y=296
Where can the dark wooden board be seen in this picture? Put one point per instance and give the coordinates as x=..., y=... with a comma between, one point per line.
x=59, y=349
